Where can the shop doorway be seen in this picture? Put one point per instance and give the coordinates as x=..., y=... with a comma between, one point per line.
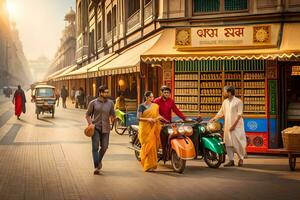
x=155, y=80
x=289, y=94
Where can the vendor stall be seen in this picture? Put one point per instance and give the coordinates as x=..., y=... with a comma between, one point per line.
x=202, y=60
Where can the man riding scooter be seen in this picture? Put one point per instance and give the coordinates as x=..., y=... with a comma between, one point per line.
x=166, y=106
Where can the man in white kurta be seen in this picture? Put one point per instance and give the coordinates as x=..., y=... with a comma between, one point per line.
x=234, y=132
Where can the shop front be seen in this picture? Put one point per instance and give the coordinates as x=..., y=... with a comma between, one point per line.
x=58, y=79
x=201, y=61
x=122, y=72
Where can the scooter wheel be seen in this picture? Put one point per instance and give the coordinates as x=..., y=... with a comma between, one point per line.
x=178, y=164
x=212, y=159
x=137, y=153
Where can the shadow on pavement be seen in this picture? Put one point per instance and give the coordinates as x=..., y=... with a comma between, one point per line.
x=270, y=167
x=46, y=120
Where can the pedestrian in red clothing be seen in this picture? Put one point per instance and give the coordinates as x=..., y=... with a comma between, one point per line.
x=166, y=106
x=19, y=100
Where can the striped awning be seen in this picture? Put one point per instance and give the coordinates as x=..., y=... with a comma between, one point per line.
x=58, y=72
x=127, y=61
x=82, y=72
x=164, y=50
x=62, y=76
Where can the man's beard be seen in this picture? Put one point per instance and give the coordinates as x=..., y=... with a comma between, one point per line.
x=103, y=97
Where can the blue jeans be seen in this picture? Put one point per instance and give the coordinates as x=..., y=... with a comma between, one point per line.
x=99, y=139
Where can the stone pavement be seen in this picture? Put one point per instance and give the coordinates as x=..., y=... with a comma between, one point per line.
x=51, y=159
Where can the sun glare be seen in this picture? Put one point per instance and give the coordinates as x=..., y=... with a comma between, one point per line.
x=12, y=9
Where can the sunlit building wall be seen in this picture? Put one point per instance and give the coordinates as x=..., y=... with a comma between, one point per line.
x=65, y=55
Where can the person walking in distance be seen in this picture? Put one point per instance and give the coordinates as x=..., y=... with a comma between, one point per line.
x=100, y=112
x=73, y=95
x=64, y=93
x=57, y=96
x=19, y=100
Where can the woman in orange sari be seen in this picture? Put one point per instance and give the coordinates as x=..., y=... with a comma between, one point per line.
x=149, y=132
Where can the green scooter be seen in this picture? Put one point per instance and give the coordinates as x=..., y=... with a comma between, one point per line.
x=208, y=142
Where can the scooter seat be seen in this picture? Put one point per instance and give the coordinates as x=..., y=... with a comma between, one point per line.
x=135, y=127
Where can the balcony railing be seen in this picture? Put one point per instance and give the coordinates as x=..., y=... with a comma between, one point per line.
x=114, y=31
x=82, y=52
x=108, y=36
x=148, y=11
x=99, y=44
x=133, y=20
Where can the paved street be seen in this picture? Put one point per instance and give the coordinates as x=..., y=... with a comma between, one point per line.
x=51, y=159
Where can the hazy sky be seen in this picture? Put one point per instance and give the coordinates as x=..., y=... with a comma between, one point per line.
x=40, y=24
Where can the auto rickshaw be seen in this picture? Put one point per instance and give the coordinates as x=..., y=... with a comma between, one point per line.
x=45, y=99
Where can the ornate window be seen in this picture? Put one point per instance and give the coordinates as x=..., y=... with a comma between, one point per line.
x=99, y=30
x=114, y=16
x=91, y=44
x=207, y=6
x=233, y=5
x=147, y=1
x=79, y=18
x=133, y=6
x=108, y=21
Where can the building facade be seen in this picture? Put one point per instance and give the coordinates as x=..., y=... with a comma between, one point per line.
x=65, y=55
x=13, y=64
x=196, y=47
x=4, y=32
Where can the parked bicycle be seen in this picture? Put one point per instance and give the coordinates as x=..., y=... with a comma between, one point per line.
x=123, y=121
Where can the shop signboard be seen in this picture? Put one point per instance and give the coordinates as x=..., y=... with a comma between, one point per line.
x=272, y=88
x=232, y=37
x=256, y=125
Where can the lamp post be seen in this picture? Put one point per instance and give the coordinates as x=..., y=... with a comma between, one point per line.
x=6, y=63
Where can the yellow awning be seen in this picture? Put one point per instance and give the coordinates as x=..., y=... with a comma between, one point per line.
x=127, y=61
x=63, y=74
x=93, y=72
x=164, y=49
x=82, y=72
x=57, y=73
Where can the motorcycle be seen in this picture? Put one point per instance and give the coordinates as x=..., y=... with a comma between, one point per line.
x=179, y=149
x=208, y=142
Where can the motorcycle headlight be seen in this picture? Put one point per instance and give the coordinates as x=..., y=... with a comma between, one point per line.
x=170, y=131
x=181, y=130
x=188, y=130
